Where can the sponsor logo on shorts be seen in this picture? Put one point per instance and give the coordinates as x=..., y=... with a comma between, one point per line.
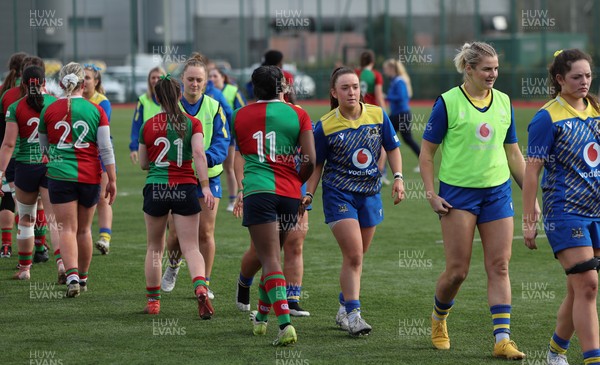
x=484, y=132
x=342, y=208
x=362, y=158
x=577, y=232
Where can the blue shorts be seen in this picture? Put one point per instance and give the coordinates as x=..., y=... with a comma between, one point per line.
x=337, y=204
x=488, y=204
x=563, y=234
x=215, y=188
x=30, y=177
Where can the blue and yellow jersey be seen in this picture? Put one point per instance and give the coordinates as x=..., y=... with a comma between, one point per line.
x=568, y=142
x=351, y=148
x=103, y=102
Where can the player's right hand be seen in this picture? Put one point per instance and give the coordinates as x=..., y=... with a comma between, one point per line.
x=530, y=231
x=209, y=199
x=439, y=205
x=134, y=157
x=306, y=201
x=238, y=205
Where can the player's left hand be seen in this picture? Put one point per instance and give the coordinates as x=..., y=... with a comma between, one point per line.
x=306, y=201
x=238, y=205
x=111, y=192
x=209, y=199
x=398, y=191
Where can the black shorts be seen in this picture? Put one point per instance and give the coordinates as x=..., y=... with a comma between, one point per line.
x=266, y=208
x=29, y=177
x=181, y=199
x=10, y=170
x=67, y=191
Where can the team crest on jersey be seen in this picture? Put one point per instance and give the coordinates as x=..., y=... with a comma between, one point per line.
x=362, y=158
x=569, y=124
x=342, y=208
x=591, y=154
x=484, y=132
x=373, y=132
x=577, y=232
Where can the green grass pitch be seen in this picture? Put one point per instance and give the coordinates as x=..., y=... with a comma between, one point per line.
x=105, y=325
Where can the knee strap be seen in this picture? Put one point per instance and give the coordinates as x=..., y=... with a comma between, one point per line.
x=27, y=209
x=591, y=264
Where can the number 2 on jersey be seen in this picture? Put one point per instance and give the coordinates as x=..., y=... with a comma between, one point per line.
x=258, y=136
x=62, y=144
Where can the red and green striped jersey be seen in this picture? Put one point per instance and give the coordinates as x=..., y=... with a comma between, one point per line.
x=170, y=156
x=73, y=152
x=267, y=135
x=27, y=121
x=9, y=97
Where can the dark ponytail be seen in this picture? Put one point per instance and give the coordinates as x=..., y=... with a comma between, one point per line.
x=168, y=93
x=33, y=78
x=14, y=66
x=561, y=65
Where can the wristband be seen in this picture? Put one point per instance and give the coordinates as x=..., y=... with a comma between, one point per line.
x=240, y=191
x=310, y=195
x=204, y=184
x=398, y=176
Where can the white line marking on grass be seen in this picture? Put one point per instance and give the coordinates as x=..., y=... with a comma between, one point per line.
x=514, y=238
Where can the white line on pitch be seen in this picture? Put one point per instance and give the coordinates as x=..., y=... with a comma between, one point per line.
x=514, y=238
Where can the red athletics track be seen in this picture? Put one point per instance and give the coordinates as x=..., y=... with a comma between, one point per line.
x=419, y=103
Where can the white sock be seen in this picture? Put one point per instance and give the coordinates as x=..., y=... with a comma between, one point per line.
x=501, y=336
x=72, y=277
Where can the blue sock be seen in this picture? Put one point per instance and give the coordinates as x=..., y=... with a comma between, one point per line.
x=341, y=298
x=106, y=230
x=293, y=293
x=591, y=357
x=352, y=305
x=441, y=310
x=501, y=321
x=558, y=345
x=246, y=281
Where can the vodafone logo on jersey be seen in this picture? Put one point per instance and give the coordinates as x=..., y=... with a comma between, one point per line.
x=362, y=158
x=591, y=154
x=484, y=132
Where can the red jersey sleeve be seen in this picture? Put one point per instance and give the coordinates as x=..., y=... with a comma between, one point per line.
x=378, y=78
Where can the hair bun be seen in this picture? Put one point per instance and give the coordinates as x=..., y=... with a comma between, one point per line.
x=70, y=79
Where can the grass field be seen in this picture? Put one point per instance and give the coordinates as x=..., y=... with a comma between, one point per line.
x=105, y=325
